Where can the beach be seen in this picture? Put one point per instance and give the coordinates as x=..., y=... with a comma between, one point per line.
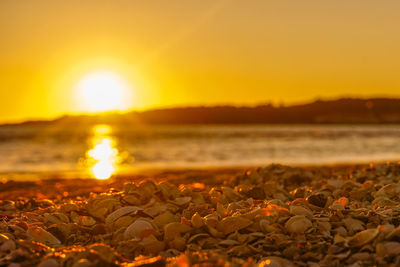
x=199, y=133
x=345, y=215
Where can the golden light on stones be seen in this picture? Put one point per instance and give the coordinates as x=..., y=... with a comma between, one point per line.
x=104, y=156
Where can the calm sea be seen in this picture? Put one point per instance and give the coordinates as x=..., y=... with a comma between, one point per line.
x=104, y=150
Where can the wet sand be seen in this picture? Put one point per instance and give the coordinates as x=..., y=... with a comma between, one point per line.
x=271, y=216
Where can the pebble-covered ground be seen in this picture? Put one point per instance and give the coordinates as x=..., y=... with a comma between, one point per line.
x=272, y=216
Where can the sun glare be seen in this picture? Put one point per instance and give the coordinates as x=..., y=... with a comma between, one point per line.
x=102, y=91
x=103, y=157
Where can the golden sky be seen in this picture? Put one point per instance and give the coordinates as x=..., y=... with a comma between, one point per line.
x=188, y=52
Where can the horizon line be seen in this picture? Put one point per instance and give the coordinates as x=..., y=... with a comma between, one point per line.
x=155, y=108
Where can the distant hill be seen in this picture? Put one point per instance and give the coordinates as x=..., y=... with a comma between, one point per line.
x=345, y=110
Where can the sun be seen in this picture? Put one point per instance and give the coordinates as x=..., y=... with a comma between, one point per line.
x=102, y=91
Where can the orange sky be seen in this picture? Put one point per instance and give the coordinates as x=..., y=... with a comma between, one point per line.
x=196, y=51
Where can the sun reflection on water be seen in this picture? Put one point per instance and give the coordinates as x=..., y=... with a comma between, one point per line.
x=104, y=156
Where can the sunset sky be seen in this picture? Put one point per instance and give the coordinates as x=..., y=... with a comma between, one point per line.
x=190, y=52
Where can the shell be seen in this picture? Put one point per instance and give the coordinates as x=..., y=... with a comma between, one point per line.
x=353, y=225
x=178, y=243
x=298, y=224
x=181, y=201
x=340, y=230
x=164, y=219
x=230, y=194
x=38, y=234
x=123, y=221
x=139, y=229
x=338, y=239
x=147, y=189
x=299, y=210
x=232, y=207
x=389, y=190
x=87, y=220
x=393, y=233
x=67, y=229
x=174, y=229
x=211, y=220
x=112, y=217
x=392, y=248
x=196, y=220
x=228, y=243
x=17, y=230
x=232, y=224
x=68, y=207
x=168, y=190
x=383, y=201
x=324, y=227
x=363, y=237
x=156, y=209
x=386, y=228
x=198, y=236
x=221, y=211
x=152, y=245
x=74, y=217
x=56, y=218
x=197, y=198
x=267, y=227
x=102, y=205
x=22, y=224
x=132, y=199
x=252, y=213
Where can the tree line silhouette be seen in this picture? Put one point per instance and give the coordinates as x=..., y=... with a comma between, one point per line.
x=344, y=110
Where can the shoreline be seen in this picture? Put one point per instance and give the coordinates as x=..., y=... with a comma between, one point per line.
x=22, y=176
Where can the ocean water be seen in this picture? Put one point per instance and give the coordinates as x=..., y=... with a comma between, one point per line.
x=104, y=150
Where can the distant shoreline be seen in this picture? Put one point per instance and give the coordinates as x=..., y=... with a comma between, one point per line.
x=340, y=111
